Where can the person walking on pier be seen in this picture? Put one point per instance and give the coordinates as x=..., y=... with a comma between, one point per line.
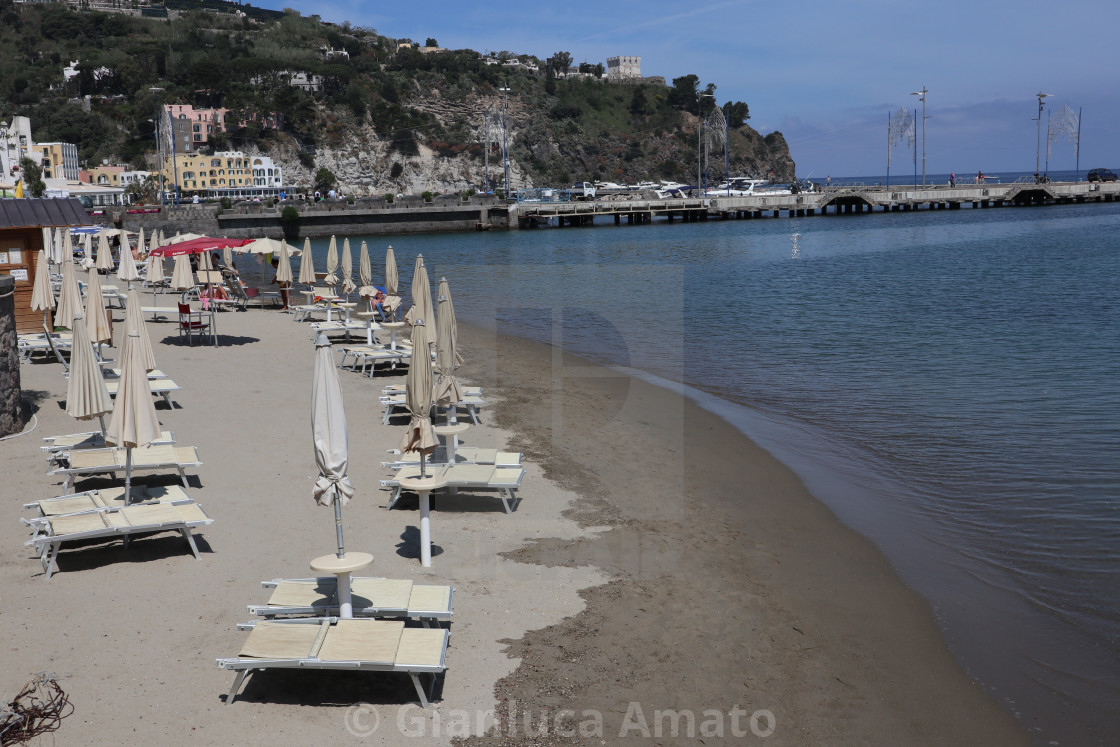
x=953, y=179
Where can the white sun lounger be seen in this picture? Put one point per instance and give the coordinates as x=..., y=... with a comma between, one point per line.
x=368, y=356
x=470, y=391
x=93, y=440
x=115, y=373
x=95, y=500
x=32, y=343
x=395, y=403
x=158, y=387
x=372, y=597
x=506, y=480
x=112, y=460
x=180, y=516
x=331, y=643
x=463, y=455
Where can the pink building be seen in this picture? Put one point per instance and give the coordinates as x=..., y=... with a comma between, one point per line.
x=195, y=126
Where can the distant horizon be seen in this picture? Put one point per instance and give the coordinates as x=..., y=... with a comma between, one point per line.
x=830, y=101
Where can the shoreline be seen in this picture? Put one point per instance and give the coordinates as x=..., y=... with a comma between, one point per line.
x=741, y=605
x=632, y=572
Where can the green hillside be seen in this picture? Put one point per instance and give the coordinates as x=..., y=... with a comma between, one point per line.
x=384, y=116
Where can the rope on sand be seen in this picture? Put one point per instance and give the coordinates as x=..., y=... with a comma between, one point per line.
x=38, y=709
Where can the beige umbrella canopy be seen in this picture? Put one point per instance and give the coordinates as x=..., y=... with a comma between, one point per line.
x=348, y=286
x=86, y=395
x=422, y=299
x=332, y=264
x=328, y=432
x=97, y=317
x=140, y=241
x=181, y=237
x=267, y=246
x=42, y=299
x=284, y=268
x=104, y=259
x=418, y=394
x=127, y=270
x=392, y=301
x=134, y=323
x=204, y=262
x=182, y=279
x=447, y=392
x=58, y=247
x=87, y=251
x=134, y=423
x=307, y=264
x=365, y=273
x=69, y=298
x=155, y=268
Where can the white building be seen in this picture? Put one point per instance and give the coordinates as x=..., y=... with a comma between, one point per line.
x=15, y=143
x=266, y=173
x=134, y=177
x=622, y=68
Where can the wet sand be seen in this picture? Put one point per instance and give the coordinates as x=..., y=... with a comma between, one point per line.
x=658, y=560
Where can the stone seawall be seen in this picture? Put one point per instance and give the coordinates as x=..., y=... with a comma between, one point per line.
x=446, y=213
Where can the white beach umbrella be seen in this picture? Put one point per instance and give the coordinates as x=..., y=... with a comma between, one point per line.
x=328, y=432
x=266, y=246
x=348, y=286
x=182, y=279
x=134, y=323
x=87, y=251
x=227, y=256
x=86, y=394
x=104, y=260
x=58, y=246
x=134, y=423
x=422, y=299
x=127, y=270
x=140, y=243
x=418, y=394
x=179, y=238
x=307, y=265
x=42, y=299
x=332, y=264
x=97, y=317
x=284, y=268
x=155, y=268
x=69, y=298
x=204, y=262
x=365, y=273
x=447, y=392
x=392, y=300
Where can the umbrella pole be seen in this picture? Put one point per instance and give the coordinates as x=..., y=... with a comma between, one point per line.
x=423, y=473
x=128, y=475
x=338, y=523
x=425, y=527
x=101, y=419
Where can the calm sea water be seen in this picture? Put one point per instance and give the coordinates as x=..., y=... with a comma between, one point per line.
x=949, y=383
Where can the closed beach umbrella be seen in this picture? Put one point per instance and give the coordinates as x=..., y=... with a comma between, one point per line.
x=347, y=268
x=328, y=432
x=87, y=251
x=154, y=241
x=447, y=392
x=134, y=423
x=204, y=262
x=69, y=298
x=42, y=299
x=227, y=256
x=307, y=265
x=182, y=279
x=104, y=260
x=155, y=268
x=332, y=264
x=392, y=300
x=127, y=270
x=86, y=395
x=365, y=273
x=422, y=299
x=134, y=322
x=418, y=395
x=284, y=268
x=97, y=317
x=140, y=241
x=58, y=247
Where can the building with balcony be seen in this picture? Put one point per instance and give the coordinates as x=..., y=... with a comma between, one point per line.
x=58, y=160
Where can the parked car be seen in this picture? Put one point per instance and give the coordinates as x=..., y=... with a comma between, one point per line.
x=1102, y=175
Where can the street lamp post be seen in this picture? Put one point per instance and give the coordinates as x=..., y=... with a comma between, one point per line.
x=505, y=151
x=922, y=97
x=1038, y=134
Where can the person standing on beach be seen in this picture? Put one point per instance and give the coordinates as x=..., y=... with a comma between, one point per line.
x=283, y=286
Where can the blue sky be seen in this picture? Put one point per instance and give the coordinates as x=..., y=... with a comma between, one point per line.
x=828, y=73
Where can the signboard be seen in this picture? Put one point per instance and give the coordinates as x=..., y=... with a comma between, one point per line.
x=20, y=274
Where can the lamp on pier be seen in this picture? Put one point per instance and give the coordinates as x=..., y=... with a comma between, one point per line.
x=922, y=97
x=1038, y=133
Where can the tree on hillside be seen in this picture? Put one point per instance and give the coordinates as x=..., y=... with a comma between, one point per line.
x=325, y=179
x=430, y=42
x=32, y=177
x=736, y=113
x=560, y=62
x=683, y=93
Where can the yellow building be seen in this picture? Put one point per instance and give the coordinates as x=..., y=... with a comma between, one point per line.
x=59, y=160
x=194, y=172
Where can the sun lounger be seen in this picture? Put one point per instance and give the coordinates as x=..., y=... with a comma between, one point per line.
x=331, y=643
x=463, y=455
x=115, y=373
x=469, y=391
x=93, y=440
x=29, y=344
x=371, y=597
x=158, y=387
x=339, y=326
x=95, y=500
x=147, y=459
x=398, y=404
x=180, y=516
x=368, y=356
x=506, y=480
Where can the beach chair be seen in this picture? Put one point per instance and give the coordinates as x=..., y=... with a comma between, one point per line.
x=93, y=500
x=191, y=323
x=463, y=455
x=71, y=464
x=158, y=387
x=505, y=480
x=47, y=342
x=113, y=523
x=338, y=326
x=371, y=597
x=238, y=299
x=332, y=643
x=92, y=440
x=366, y=357
x=397, y=403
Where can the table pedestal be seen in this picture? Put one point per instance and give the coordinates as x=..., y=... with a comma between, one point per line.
x=342, y=568
x=450, y=433
x=424, y=486
x=393, y=327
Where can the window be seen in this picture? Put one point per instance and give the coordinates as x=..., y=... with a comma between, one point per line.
x=216, y=162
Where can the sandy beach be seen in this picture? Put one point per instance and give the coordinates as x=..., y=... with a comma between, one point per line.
x=662, y=581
